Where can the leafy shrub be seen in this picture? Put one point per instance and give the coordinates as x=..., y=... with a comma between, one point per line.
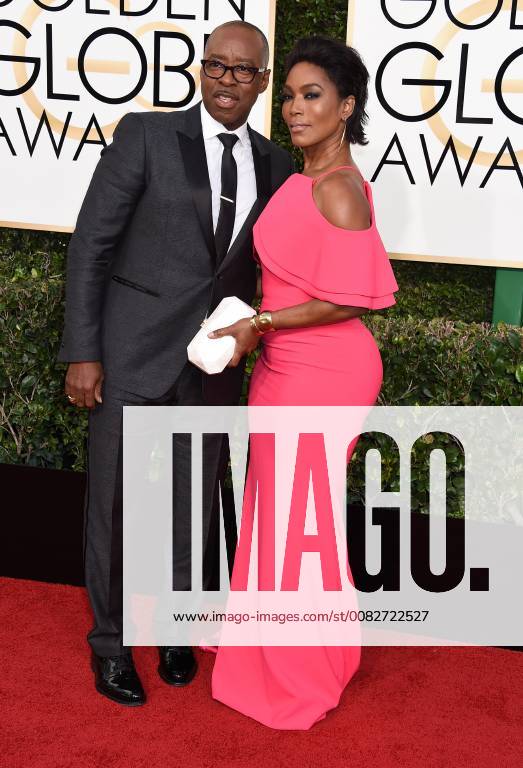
x=440, y=362
x=434, y=362
x=37, y=425
x=445, y=362
x=453, y=291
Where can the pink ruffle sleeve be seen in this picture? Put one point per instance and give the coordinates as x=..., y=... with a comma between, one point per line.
x=348, y=267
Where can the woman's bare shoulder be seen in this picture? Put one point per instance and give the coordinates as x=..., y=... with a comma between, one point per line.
x=341, y=199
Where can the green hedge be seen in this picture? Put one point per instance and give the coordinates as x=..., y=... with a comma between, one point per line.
x=36, y=425
x=442, y=362
x=437, y=344
x=436, y=362
x=295, y=19
x=453, y=291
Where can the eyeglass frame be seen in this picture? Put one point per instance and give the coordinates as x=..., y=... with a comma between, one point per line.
x=254, y=71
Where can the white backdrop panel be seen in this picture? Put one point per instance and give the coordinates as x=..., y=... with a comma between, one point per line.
x=473, y=50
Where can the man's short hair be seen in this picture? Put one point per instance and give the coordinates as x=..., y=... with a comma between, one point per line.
x=254, y=28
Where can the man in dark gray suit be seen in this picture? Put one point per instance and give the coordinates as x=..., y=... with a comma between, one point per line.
x=164, y=233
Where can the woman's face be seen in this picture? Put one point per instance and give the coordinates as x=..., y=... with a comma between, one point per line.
x=311, y=105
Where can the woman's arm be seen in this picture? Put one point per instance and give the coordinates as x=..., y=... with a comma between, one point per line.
x=313, y=312
x=341, y=199
x=310, y=313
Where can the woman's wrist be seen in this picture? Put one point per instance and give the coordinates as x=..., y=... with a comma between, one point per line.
x=262, y=323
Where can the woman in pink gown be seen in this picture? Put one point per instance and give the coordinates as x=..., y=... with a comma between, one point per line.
x=323, y=265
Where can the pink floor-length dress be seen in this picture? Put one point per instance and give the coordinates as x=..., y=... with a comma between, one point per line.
x=304, y=256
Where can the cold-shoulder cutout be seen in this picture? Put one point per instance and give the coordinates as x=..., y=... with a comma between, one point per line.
x=300, y=246
x=341, y=198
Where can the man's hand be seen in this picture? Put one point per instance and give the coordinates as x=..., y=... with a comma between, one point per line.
x=83, y=384
x=246, y=339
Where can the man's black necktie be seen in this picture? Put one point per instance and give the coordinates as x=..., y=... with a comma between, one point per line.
x=225, y=226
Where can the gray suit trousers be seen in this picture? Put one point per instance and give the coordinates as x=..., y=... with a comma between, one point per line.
x=103, y=505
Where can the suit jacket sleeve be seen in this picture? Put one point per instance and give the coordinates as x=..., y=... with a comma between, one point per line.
x=112, y=195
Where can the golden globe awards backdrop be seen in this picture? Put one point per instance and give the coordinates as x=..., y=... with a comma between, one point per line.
x=70, y=69
x=446, y=126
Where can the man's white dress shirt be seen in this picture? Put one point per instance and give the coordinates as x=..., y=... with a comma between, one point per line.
x=246, y=193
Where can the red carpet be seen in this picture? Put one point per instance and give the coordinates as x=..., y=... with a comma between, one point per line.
x=406, y=708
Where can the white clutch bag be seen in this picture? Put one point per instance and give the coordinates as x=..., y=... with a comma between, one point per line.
x=212, y=355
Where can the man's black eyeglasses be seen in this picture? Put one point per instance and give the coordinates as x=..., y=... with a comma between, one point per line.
x=241, y=73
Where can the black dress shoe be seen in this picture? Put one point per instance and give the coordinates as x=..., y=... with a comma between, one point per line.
x=177, y=664
x=116, y=678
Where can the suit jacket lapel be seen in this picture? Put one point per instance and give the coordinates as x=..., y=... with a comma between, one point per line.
x=195, y=162
x=262, y=165
x=262, y=169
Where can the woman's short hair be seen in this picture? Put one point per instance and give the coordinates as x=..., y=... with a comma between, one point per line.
x=345, y=68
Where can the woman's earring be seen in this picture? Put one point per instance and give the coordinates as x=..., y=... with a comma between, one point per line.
x=343, y=136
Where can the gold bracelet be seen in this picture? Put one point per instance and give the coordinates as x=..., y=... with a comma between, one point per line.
x=265, y=322
x=254, y=325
